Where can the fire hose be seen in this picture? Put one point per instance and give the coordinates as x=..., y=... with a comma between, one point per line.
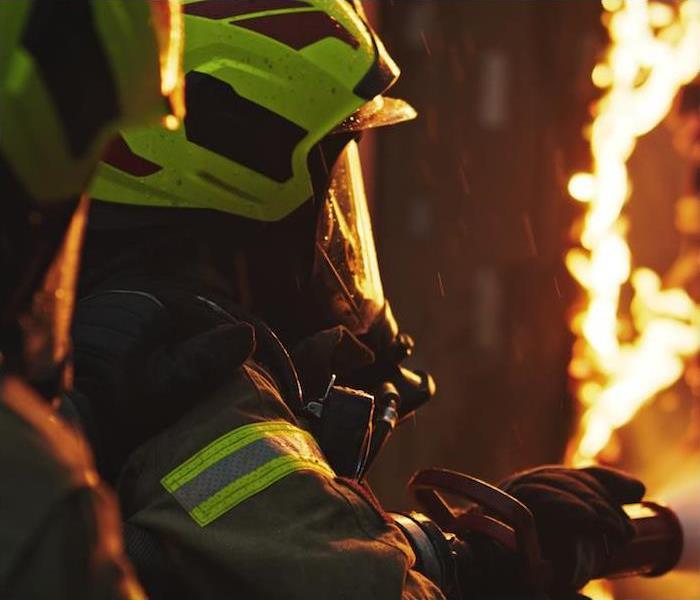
x=508, y=525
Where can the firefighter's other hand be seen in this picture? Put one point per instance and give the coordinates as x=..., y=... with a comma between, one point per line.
x=571, y=504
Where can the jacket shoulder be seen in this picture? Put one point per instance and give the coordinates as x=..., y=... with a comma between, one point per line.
x=44, y=462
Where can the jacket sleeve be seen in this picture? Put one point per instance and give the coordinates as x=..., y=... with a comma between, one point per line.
x=60, y=526
x=246, y=506
x=74, y=557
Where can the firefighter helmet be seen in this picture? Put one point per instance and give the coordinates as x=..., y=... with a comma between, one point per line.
x=68, y=82
x=266, y=82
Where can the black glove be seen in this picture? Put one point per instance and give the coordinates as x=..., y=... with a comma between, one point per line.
x=574, y=504
x=486, y=570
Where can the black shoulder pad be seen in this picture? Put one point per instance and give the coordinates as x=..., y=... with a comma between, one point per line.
x=107, y=327
x=107, y=323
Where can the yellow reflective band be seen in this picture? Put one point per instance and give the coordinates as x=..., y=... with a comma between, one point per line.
x=240, y=464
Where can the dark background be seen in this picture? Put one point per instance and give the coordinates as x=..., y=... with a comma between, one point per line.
x=472, y=220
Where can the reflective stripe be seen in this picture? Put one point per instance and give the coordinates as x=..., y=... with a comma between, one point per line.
x=240, y=464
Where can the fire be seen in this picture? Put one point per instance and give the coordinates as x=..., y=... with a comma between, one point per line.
x=654, y=51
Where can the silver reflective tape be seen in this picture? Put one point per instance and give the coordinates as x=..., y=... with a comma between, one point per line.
x=242, y=462
x=228, y=469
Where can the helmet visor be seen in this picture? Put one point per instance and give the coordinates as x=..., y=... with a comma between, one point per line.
x=378, y=112
x=345, y=263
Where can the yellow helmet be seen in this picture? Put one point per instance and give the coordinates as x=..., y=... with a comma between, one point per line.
x=266, y=82
x=71, y=74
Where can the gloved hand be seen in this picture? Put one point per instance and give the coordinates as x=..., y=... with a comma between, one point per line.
x=574, y=504
x=485, y=570
x=570, y=507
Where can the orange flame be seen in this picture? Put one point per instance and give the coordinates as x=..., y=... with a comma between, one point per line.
x=654, y=51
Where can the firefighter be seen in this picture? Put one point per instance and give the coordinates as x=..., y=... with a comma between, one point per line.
x=251, y=223
x=66, y=84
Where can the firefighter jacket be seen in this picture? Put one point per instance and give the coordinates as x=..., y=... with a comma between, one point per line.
x=237, y=493
x=59, y=526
